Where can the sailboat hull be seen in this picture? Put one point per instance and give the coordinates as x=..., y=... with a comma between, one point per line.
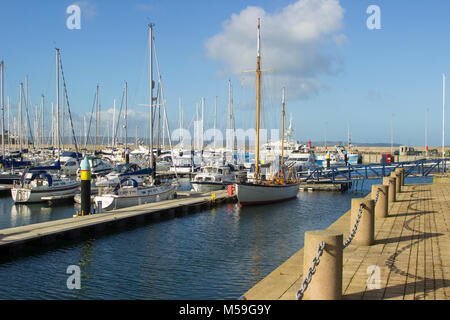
x=134, y=197
x=208, y=186
x=253, y=194
x=33, y=195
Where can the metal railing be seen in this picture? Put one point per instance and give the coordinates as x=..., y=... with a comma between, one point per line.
x=375, y=170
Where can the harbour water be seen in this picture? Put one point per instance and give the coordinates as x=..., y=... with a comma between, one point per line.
x=214, y=254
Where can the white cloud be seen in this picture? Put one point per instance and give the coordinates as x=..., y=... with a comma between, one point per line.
x=294, y=41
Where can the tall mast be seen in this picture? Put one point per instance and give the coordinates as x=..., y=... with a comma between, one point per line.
x=215, y=116
x=19, y=116
x=52, y=128
x=57, y=102
x=84, y=129
x=100, y=125
x=181, y=119
x=258, y=97
x=203, y=122
x=114, y=124
x=26, y=109
x=36, y=131
x=96, y=117
x=9, y=121
x=150, y=34
x=282, y=132
x=426, y=134
x=443, y=116
x=42, y=120
x=230, y=101
x=3, y=108
x=126, y=107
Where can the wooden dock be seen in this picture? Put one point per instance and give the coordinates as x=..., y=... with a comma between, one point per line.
x=411, y=253
x=41, y=234
x=334, y=187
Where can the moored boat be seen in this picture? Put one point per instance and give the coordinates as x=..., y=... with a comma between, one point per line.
x=42, y=186
x=128, y=193
x=257, y=189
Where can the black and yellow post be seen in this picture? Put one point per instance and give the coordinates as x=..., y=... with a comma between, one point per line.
x=127, y=156
x=85, y=187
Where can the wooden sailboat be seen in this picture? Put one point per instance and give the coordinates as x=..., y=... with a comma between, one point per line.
x=258, y=190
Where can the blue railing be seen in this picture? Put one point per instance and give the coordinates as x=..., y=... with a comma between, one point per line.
x=374, y=170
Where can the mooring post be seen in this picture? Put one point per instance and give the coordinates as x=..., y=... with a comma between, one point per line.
x=380, y=196
x=401, y=171
x=365, y=232
x=326, y=282
x=390, y=182
x=395, y=174
x=85, y=187
x=127, y=156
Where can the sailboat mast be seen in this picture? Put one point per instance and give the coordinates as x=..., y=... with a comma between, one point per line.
x=3, y=108
x=203, y=121
x=258, y=97
x=150, y=34
x=96, y=117
x=9, y=122
x=26, y=109
x=443, y=116
x=215, y=119
x=19, y=116
x=181, y=119
x=282, y=131
x=57, y=102
x=126, y=110
x=42, y=120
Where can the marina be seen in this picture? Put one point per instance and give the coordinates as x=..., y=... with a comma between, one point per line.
x=168, y=157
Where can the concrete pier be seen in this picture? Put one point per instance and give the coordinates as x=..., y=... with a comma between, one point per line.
x=409, y=259
x=42, y=233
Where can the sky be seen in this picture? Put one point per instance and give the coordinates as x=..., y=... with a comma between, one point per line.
x=339, y=74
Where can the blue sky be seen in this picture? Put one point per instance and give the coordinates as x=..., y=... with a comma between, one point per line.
x=353, y=75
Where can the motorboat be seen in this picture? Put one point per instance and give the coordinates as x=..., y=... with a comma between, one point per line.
x=184, y=163
x=212, y=178
x=302, y=160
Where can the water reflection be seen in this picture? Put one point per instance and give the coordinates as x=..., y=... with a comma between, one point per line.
x=84, y=262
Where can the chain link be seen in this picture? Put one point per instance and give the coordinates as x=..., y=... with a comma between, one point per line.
x=355, y=227
x=378, y=194
x=311, y=270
